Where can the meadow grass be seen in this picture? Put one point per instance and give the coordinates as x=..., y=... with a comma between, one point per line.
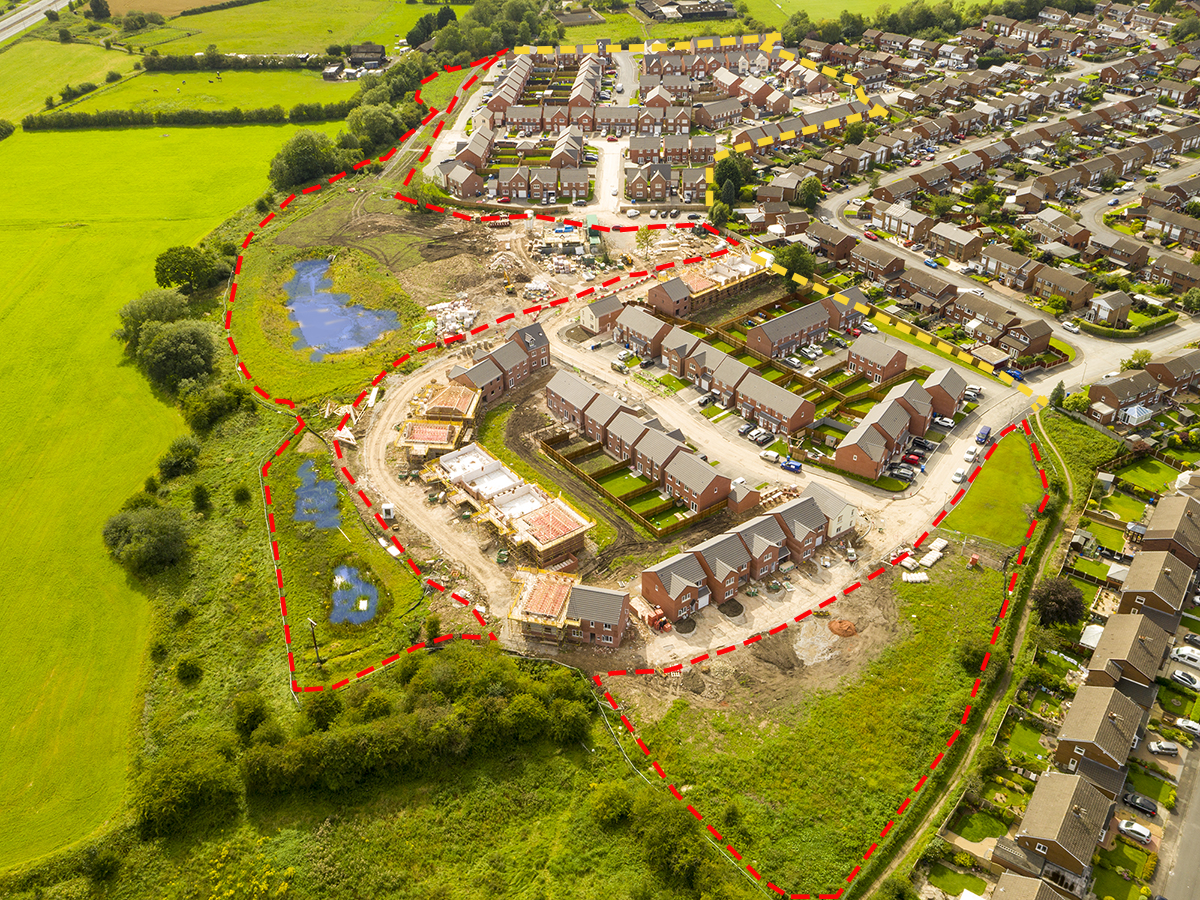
x=78, y=247
x=620, y=27
x=1083, y=449
x=171, y=91
x=1004, y=495
x=29, y=70
x=808, y=823
x=777, y=14
x=295, y=26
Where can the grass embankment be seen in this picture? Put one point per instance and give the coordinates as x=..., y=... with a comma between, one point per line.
x=807, y=826
x=77, y=248
x=1082, y=448
x=172, y=91
x=1006, y=493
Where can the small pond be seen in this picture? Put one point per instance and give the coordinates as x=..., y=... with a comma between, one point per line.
x=354, y=600
x=316, y=499
x=327, y=322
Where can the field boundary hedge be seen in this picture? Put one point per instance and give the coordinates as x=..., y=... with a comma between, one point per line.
x=214, y=7
x=124, y=118
x=1133, y=332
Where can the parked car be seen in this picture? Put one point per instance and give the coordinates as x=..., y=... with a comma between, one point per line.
x=612, y=138
x=914, y=163
x=923, y=444
x=1114, y=202
x=918, y=246
x=1130, y=828
x=791, y=465
x=909, y=242
x=943, y=422
x=908, y=473
x=614, y=192
x=839, y=342
x=1188, y=725
x=868, y=327
x=1192, y=638
x=693, y=217
x=870, y=235
x=969, y=456
x=1163, y=748
x=929, y=251
x=911, y=458
x=647, y=363
x=853, y=332
x=654, y=213
x=765, y=438
x=579, y=203
x=1015, y=374
x=793, y=362
x=674, y=214
x=769, y=455
x=624, y=355
x=1141, y=803
x=634, y=213
x=706, y=400
x=754, y=434
x=1071, y=327
x=985, y=435
x=1189, y=656
x=745, y=429
x=813, y=372
x=958, y=476
x=1187, y=679
x=932, y=263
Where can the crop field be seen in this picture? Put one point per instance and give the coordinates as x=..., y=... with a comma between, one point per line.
x=999, y=504
x=620, y=27
x=79, y=247
x=30, y=70
x=295, y=26
x=171, y=91
x=776, y=14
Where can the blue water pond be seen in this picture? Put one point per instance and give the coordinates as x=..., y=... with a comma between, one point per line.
x=316, y=499
x=328, y=322
x=349, y=592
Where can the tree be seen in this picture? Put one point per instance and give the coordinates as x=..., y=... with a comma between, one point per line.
x=170, y=353
x=189, y=780
x=241, y=495
x=445, y=16
x=375, y=125
x=526, y=718
x=1058, y=395
x=1057, y=304
x=100, y=9
x=249, y=711
x=736, y=167
x=810, y=192
x=1108, y=180
x=146, y=540
x=307, y=156
x=990, y=759
x=153, y=306
x=201, y=500
x=181, y=458
x=729, y=193
x=797, y=260
x=1059, y=601
x=1078, y=403
x=52, y=15
x=64, y=35
x=645, y=240
x=719, y=214
x=184, y=266
x=610, y=802
x=1191, y=300
x=940, y=205
x=433, y=627
x=856, y=132
x=1138, y=360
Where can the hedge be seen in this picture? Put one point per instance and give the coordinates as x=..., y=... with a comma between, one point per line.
x=1126, y=333
x=213, y=7
x=122, y=118
x=219, y=61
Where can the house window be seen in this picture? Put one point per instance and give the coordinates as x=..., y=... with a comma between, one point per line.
x=730, y=592
x=575, y=632
x=1041, y=848
x=607, y=627
x=1078, y=750
x=606, y=639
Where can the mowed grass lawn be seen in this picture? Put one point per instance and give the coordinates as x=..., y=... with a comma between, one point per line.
x=998, y=505
x=620, y=27
x=77, y=248
x=777, y=14
x=170, y=91
x=32, y=69
x=294, y=26
x=954, y=883
x=1149, y=473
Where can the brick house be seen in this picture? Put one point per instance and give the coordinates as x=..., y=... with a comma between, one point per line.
x=876, y=360
x=946, y=389
x=805, y=527
x=1178, y=273
x=652, y=452
x=532, y=339
x=462, y=181
x=1174, y=526
x=1176, y=372
x=916, y=401
x=602, y=614
x=953, y=241
x=835, y=243
x=868, y=448
x=599, y=414
x=678, y=586
x=1111, y=309
x=600, y=316
x=484, y=376
x=1109, y=396
x=1048, y=281
x=696, y=483
x=781, y=335
x=875, y=261
x=512, y=361
x=1156, y=586
x=672, y=298
x=1027, y=338
x=903, y=221
x=567, y=396
x=1119, y=249
x=645, y=150
x=1176, y=226
x=651, y=182
x=676, y=347
x=1097, y=735
x=726, y=564
x=765, y=543
x=1130, y=653
x=772, y=407
x=640, y=331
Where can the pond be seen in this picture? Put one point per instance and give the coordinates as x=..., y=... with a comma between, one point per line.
x=316, y=499
x=354, y=600
x=328, y=322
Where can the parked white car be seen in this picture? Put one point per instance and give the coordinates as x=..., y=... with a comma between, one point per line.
x=1189, y=656
x=1188, y=725
x=769, y=455
x=1130, y=828
x=958, y=476
x=868, y=327
x=1071, y=327
x=634, y=213
x=969, y=456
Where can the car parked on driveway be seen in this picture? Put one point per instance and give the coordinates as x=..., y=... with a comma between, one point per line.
x=908, y=473
x=923, y=444
x=943, y=422
x=1141, y=803
x=911, y=458
x=1188, y=725
x=745, y=429
x=1189, y=656
x=932, y=263
x=793, y=362
x=853, y=332
x=868, y=327
x=765, y=438
x=1138, y=832
x=1187, y=679
x=1192, y=638
x=1163, y=748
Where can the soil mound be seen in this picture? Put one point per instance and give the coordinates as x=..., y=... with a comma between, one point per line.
x=842, y=628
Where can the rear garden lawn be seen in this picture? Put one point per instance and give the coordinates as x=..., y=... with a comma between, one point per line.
x=977, y=825
x=662, y=519
x=1046, y=705
x=645, y=502
x=1145, y=783
x=1094, y=567
x=621, y=483
x=1182, y=453
x=772, y=374
x=1149, y=473
x=828, y=405
x=1004, y=496
x=1176, y=700
x=861, y=406
x=833, y=379
x=1126, y=857
x=1111, y=885
x=1024, y=739
x=954, y=883
x=671, y=382
x=1112, y=538
x=1089, y=590
x=1130, y=509
x=722, y=346
x=857, y=386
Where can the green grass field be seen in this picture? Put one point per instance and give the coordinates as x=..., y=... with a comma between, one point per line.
x=1025, y=740
x=979, y=825
x=171, y=91
x=30, y=70
x=294, y=26
x=77, y=248
x=1150, y=474
x=620, y=27
x=954, y=883
x=1003, y=497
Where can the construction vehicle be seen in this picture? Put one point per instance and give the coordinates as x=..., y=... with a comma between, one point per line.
x=502, y=558
x=509, y=287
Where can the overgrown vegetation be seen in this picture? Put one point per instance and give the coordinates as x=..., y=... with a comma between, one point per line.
x=1083, y=449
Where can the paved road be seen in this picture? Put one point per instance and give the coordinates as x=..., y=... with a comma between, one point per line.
x=27, y=16
x=1182, y=840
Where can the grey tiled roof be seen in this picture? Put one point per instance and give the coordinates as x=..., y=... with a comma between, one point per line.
x=509, y=355
x=797, y=320
x=867, y=439
x=679, y=340
x=532, y=337
x=1018, y=887
x=656, y=446
x=483, y=372
x=802, y=516
x=889, y=416
x=831, y=504
x=771, y=395
x=1068, y=810
x=873, y=350
x=676, y=289
x=679, y=572
x=572, y=389
x=605, y=305
x=1105, y=717
x=1176, y=518
x=912, y=392
x=723, y=554
x=1132, y=640
x=949, y=380
x=637, y=320
x=602, y=408
x=692, y=472
x=1158, y=572
x=627, y=427
x=596, y=604
x=760, y=534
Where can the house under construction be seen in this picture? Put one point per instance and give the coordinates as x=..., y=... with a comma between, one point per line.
x=552, y=607
x=550, y=530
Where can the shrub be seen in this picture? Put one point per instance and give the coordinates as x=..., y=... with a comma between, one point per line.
x=183, y=615
x=146, y=540
x=433, y=627
x=189, y=670
x=183, y=785
x=322, y=708
x=112, y=76
x=964, y=859
x=6, y=129
x=241, y=495
x=935, y=850
x=201, y=501
x=100, y=865
x=610, y=802
x=182, y=457
x=153, y=306
x=203, y=409
x=249, y=712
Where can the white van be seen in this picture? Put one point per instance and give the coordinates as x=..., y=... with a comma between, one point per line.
x=1189, y=656
x=770, y=456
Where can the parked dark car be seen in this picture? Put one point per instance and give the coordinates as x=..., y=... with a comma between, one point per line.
x=923, y=444
x=1193, y=639
x=706, y=400
x=1141, y=803
x=746, y=429
x=764, y=439
x=647, y=363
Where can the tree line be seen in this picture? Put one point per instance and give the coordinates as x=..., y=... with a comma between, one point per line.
x=214, y=7
x=67, y=120
x=211, y=61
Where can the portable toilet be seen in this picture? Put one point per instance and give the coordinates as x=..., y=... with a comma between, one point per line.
x=388, y=511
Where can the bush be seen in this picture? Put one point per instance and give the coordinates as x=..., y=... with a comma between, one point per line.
x=964, y=859
x=176, y=351
x=935, y=850
x=112, y=76
x=189, y=670
x=153, y=306
x=249, y=712
x=146, y=540
x=205, y=408
x=182, y=457
x=241, y=495
x=322, y=708
x=184, y=785
x=100, y=865
x=610, y=802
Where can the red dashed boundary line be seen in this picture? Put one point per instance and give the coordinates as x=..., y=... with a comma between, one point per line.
x=934, y=763
x=264, y=472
